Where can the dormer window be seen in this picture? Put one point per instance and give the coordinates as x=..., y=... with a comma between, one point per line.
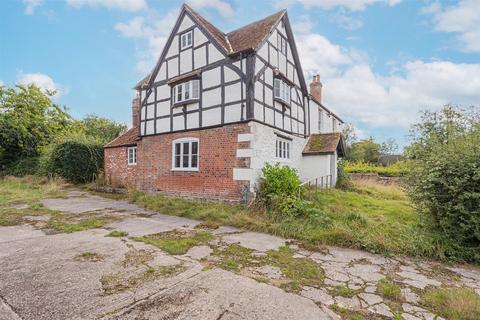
x=281, y=90
x=186, y=91
x=186, y=40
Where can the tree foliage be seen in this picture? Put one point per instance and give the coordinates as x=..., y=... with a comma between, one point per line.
x=102, y=129
x=366, y=150
x=444, y=176
x=28, y=120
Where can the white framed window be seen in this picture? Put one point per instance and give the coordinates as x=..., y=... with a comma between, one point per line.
x=186, y=40
x=334, y=124
x=282, y=44
x=320, y=120
x=132, y=156
x=186, y=91
x=185, y=153
x=282, y=148
x=281, y=90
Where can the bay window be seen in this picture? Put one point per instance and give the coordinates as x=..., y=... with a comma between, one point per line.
x=185, y=154
x=281, y=90
x=186, y=91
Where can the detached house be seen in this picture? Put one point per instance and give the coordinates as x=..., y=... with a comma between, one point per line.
x=218, y=106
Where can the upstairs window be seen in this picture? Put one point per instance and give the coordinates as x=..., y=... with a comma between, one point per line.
x=334, y=124
x=186, y=91
x=132, y=156
x=282, y=44
x=185, y=154
x=281, y=90
x=186, y=40
x=282, y=148
x=320, y=120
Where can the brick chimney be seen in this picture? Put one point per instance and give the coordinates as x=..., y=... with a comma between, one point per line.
x=136, y=111
x=316, y=88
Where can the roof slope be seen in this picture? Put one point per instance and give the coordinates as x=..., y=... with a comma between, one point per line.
x=127, y=139
x=324, y=143
x=251, y=35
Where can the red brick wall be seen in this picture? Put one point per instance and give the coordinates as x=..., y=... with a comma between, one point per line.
x=117, y=171
x=217, y=158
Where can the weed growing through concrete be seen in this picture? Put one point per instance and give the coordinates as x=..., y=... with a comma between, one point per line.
x=389, y=289
x=117, y=234
x=343, y=291
x=453, y=303
x=176, y=242
x=89, y=257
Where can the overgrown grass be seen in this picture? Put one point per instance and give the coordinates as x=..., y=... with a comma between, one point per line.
x=372, y=217
x=393, y=170
x=389, y=289
x=453, y=303
x=343, y=291
x=70, y=223
x=117, y=234
x=176, y=243
x=29, y=189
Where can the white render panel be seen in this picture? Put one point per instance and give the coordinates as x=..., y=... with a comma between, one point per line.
x=192, y=120
x=173, y=50
x=163, y=125
x=213, y=54
x=245, y=137
x=198, y=37
x=163, y=92
x=268, y=96
x=163, y=108
x=142, y=127
x=282, y=64
x=173, y=68
x=258, y=111
x=273, y=57
x=211, y=98
x=269, y=116
x=290, y=71
x=243, y=174
x=263, y=52
x=162, y=73
x=244, y=153
x=192, y=106
x=150, y=127
x=211, y=78
x=233, y=113
x=186, y=23
x=281, y=29
x=200, y=57
x=230, y=75
x=178, y=123
x=258, y=65
x=186, y=61
x=258, y=91
x=233, y=92
x=151, y=97
x=278, y=120
x=211, y=117
x=142, y=113
x=151, y=111
x=269, y=76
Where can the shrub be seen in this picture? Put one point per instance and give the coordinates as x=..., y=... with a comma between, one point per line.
x=22, y=167
x=343, y=179
x=75, y=161
x=444, y=177
x=279, y=180
x=397, y=169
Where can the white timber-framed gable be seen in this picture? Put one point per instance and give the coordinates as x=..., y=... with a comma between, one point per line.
x=193, y=61
x=280, y=98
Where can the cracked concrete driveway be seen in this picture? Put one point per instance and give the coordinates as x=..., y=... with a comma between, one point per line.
x=220, y=274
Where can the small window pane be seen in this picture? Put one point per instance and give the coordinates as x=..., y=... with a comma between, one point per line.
x=194, y=147
x=177, y=155
x=187, y=90
x=179, y=92
x=194, y=161
x=185, y=154
x=195, y=85
x=277, y=88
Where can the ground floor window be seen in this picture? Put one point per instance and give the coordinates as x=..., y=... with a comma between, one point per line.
x=132, y=155
x=282, y=148
x=185, y=154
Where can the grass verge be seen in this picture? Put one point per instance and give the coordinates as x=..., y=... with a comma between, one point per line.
x=453, y=303
x=29, y=189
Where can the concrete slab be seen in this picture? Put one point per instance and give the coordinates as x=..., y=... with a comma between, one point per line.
x=219, y=294
x=20, y=232
x=254, y=240
x=140, y=226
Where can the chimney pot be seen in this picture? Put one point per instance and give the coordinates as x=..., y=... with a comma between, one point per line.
x=316, y=88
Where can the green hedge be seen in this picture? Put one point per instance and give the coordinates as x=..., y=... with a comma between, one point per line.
x=395, y=170
x=75, y=161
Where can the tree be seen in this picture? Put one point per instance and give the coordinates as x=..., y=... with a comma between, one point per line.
x=366, y=150
x=444, y=176
x=349, y=137
x=102, y=129
x=28, y=120
x=389, y=146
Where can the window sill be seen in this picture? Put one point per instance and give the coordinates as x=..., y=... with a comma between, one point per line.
x=182, y=103
x=185, y=169
x=131, y=164
x=283, y=102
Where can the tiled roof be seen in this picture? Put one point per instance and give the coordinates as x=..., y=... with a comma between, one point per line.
x=249, y=36
x=323, y=143
x=128, y=138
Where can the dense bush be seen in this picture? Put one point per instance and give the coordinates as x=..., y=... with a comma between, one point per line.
x=343, y=179
x=444, y=177
x=21, y=167
x=75, y=161
x=394, y=170
x=279, y=180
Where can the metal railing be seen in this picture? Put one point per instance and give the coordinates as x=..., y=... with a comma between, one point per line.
x=322, y=182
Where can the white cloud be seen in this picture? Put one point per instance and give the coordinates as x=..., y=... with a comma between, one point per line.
x=126, y=5
x=462, y=19
x=42, y=81
x=223, y=7
x=353, y=5
x=30, y=5
x=346, y=21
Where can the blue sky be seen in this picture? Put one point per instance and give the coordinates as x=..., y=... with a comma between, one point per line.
x=381, y=61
